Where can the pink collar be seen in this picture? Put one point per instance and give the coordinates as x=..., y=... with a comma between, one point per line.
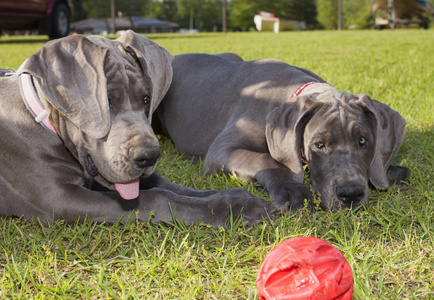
x=32, y=101
x=301, y=88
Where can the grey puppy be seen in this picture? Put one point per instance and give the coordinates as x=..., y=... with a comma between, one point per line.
x=95, y=153
x=263, y=119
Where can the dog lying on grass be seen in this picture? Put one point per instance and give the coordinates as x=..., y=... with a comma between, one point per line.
x=264, y=119
x=77, y=140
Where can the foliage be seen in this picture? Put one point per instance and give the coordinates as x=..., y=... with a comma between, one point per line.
x=101, y=8
x=164, y=10
x=328, y=13
x=389, y=243
x=303, y=10
x=359, y=13
x=241, y=12
x=78, y=13
x=205, y=15
x=354, y=12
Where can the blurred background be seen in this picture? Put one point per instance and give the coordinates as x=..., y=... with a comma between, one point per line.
x=61, y=17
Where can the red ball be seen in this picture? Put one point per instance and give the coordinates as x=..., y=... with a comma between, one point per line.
x=305, y=268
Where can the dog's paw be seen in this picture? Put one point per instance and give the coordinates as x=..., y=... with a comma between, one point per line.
x=290, y=197
x=398, y=176
x=238, y=203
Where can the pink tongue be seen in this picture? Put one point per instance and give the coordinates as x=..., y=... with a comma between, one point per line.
x=129, y=190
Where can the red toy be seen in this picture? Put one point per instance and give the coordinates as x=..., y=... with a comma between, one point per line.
x=305, y=268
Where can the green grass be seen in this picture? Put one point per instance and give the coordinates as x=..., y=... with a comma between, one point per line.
x=389, y=244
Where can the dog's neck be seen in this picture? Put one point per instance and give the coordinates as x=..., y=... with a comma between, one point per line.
x=311, y=88
x=33, y=102
x=30, y=96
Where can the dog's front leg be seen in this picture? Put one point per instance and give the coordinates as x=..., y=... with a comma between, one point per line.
x=214, y=206
x=398, y=176
x=286, y=193
x=214, y=209
x=157, y=205
x=157, y=181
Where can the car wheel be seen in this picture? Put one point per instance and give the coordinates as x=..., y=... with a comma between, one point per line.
x=59, y=21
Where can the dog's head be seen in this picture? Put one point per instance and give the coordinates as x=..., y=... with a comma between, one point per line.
x=100, y=95
x=347, y=140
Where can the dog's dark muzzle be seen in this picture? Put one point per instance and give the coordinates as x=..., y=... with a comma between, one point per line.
x=144, y=157
x=351, y=193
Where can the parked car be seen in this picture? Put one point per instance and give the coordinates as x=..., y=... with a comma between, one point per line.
x=51, y=17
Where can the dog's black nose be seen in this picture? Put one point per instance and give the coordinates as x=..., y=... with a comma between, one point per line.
x=144, y=156
x=350, y=193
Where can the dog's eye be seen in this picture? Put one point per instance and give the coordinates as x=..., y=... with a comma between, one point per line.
x=146, y=99
x=320, y=145
x=363, y=142
x=110, y=104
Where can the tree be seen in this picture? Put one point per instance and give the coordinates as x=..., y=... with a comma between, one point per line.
x=328, y=13
x=164, y=10
x=78, y=13
x=209, y=17
x=188, y=10
x=243, y=11
x=204, y=15
x=97, y=8
x=355, y=12
x=304, y=10
x=359, y=13
x=101, y=8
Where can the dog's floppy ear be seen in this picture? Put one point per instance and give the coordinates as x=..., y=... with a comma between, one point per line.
x=70, y=74
x=155, y=61
x=284, y=132
x=388, y=135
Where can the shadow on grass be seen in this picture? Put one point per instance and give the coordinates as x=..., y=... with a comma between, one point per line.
x=171, y=36
x=22, y=40
x=42, y=39
x=183, y=36
x=417, y=146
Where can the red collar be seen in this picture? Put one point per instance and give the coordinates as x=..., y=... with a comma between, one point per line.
x=301, y=88
x=32, y=101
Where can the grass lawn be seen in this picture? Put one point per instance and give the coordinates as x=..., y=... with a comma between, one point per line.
x=389, y=244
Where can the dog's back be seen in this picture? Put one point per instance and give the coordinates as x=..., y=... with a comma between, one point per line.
x=194, y=88
x=207, y=91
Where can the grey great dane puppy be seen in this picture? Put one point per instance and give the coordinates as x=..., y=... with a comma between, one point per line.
x=77, y=140
x=263, y=119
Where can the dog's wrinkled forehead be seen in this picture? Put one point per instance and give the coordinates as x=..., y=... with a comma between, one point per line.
x=344, y=106
x=153, y=60
x=336, y=98
x=341, y=112
x=122, y=69
x=117, y=51
x=119, y=65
